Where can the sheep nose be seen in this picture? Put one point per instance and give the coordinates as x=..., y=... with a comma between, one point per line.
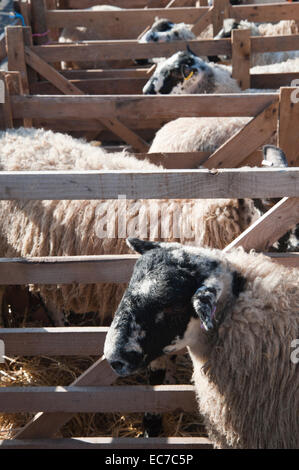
x=149, y=90
x=120, y=367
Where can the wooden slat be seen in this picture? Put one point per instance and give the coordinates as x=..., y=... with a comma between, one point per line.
x=46, y=424
x=288, y=136
x=2, y=48
x=242, y=144
x=76, y=4
x=123, y=23
x=167, y=184
x=105, y=73
x=126, y=134
x=241, y=57
x=68, y=341
x=272, y=12
x=203, y=22
x=122, y=49
x=16, y=54
x=221, y=10
x=81, y=269
x=138, y=107
x=110, y=443
x=5, y=108
x=270, y=227
x=39, y=20
x=69, y=88
x=275, y=43
x=105, y=399
x=48, y=72
x=272, y=80
x=65, y=270
x=291, y=260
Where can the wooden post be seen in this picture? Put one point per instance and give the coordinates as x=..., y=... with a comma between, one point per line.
x=16, y=53
x=5, y=108
x=221, y=10
x=288, y=136
x=241, y=47
x=15, y=44
x=39, y=22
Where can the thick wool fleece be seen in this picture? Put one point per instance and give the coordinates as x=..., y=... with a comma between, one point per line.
x=247, y=386
x=196, y=134
x=69, y=228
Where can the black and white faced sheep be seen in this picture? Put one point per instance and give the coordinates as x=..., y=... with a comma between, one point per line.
x=283, y=27
x=238, y=315
x=184, y=72
x=164, y=30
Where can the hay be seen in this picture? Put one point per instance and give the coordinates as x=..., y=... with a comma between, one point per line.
x=52, y=371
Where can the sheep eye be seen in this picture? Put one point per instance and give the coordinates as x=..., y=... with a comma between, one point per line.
x=187, y=72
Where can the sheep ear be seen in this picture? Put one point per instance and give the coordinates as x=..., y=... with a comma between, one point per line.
x=274, y=156
x=141, y=246
x=205, y=300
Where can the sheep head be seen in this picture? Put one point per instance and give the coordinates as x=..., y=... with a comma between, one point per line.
x=176, y=294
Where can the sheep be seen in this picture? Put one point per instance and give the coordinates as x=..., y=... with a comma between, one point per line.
x=184, y=72
x=237, y=314
x=264, y=29
x=164, y=30
x=60, y=228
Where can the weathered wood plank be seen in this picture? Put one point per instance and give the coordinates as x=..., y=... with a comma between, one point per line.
x=122, y=23
x=138, y=107
x=48, y=72
x=275, y=43
x=65, y=270
x=201, y=24
x=110, y=443
x=39, y=21
x=167, y=184
x=98, y=399
x=270, y=227
x=121, y=50
x=288, y=136
x=266, y=12
x=221, y=10
x=5, y=108
x=273, y=80
x=68, y=341
x=46, y=424
x=16, y=53
x=245, y=141
x=80, y=269
x=241, y=57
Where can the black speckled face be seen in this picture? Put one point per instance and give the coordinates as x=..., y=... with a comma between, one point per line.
x=156, y=310
x=173, y=72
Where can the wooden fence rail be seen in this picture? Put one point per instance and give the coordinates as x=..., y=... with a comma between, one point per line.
x=167, y=184
x=98, y=399
x=109, y=443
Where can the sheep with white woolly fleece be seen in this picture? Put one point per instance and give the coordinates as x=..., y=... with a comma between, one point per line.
x=70, y=227
x=237, y=313
x=283, y=27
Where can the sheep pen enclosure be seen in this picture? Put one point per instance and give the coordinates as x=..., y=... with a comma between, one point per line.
x=107, y=105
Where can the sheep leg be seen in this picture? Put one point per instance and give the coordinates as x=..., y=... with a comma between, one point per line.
x=56, y=315
x=161, y=371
